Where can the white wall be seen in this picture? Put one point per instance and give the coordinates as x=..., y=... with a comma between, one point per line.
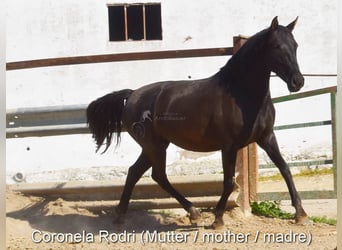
x=45, y=28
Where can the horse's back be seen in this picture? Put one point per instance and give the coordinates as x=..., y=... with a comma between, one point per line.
x=197, y=115
x=186, y=113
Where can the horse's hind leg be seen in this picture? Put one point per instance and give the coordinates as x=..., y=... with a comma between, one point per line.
x=158, y=159
x=270, y=145
x=134, y=174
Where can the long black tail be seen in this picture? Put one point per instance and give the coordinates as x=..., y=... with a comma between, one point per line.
x=104, y=117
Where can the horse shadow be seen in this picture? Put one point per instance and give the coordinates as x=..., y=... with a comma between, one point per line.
x=93, y=221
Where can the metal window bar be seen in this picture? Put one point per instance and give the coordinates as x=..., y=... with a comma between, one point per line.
x=126, y=23
x=144, y=20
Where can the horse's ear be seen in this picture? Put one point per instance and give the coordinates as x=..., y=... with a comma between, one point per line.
x=292, y=25
x=274, y=23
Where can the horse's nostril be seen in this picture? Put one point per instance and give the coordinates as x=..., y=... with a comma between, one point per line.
x=301, y=82
x=298, y=81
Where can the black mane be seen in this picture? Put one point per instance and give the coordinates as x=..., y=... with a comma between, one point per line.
x=243, y=58
x=252, y=51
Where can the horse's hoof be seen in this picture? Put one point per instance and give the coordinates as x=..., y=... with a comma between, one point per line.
x=119, y=217
x=195, y=215
x=303, y=220
x=218, y=224
x=119, y=220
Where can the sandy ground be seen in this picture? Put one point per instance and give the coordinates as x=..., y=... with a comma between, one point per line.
x=60, y=224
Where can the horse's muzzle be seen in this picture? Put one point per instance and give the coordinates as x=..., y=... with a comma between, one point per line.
x=296, y=83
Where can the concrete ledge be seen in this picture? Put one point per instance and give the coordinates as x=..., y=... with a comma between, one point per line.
x=146, y=188
x=167, y=203
x=202, y=190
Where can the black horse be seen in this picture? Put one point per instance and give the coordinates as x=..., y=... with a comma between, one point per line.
x=226, y=112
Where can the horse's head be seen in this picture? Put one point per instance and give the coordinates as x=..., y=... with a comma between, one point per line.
x=281, y=54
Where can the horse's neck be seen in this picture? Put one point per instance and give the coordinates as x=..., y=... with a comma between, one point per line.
x=247, y=70
x=249, y=86
x=247, y=76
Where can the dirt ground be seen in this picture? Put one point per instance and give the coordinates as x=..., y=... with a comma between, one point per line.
x=36, y=223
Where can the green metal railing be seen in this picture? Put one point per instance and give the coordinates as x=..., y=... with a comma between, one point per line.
x=328, y=194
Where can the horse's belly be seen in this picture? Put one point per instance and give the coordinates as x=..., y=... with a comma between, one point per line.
x=191, y=139
x=197, y=145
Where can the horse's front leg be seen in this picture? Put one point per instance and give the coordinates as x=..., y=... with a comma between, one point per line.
x=228, y=164
x=270, y=145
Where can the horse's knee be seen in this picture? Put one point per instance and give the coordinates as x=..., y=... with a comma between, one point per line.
x=155, y=177
x=229, y=184
x=158, y=177
x=132, y=172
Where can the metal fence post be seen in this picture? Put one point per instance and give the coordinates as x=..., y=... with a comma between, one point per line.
x=333, y=134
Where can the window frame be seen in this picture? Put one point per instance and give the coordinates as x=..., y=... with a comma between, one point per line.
x=125, y=21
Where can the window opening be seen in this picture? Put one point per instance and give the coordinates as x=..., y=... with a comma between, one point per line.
x=135, y=22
